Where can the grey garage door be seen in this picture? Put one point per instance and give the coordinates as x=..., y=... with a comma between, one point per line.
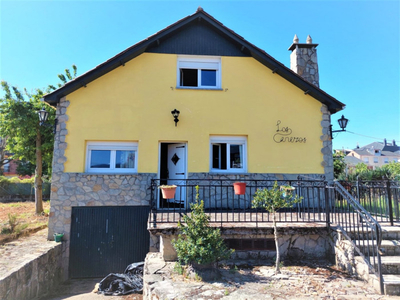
x=106, y=239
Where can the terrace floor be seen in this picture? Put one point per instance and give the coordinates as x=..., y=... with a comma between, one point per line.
x=227, y=219
x=165, y=220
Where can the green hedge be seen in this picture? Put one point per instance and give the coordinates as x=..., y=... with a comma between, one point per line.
x=16, y=186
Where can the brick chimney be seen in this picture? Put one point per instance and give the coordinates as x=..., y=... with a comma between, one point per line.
x=303, y=60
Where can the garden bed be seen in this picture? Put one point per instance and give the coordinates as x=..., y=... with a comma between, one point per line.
x=26, y=220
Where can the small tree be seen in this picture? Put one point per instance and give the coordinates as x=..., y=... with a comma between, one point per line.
x=272, y=200
x=339, y=165
x=198, y=242
x=19, y=125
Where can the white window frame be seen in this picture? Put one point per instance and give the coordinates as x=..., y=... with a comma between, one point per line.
x=199, y=63
x=366, y=160
x=236, y=140
x=113, y=147
x=376, y=160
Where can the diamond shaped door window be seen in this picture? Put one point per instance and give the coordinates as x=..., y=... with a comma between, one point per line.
x=175, y=158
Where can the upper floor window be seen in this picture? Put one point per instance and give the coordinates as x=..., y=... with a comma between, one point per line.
x=200, y=72
x=366, y=160
x=228, y=154
x=111, y=157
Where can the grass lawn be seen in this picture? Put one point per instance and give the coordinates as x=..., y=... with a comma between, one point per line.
x=23, y=217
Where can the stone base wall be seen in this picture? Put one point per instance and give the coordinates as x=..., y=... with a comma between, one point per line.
x=81, y=189
x=295, y=243
x=36, y=278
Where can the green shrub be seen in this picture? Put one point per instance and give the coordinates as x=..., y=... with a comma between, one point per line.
x=12, y=221
x=197, y=242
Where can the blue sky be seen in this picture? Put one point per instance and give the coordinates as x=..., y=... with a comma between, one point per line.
x=358, y=50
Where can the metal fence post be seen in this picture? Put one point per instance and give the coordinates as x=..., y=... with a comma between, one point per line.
x=390, y=204
x=153, y=205
x=327, y=204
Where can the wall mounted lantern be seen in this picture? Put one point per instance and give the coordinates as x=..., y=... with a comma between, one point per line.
x=175, y=113
x=342, y=123
x=43, y=116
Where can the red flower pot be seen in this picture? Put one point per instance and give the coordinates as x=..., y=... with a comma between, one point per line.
x=168, y=193
x=240, y=188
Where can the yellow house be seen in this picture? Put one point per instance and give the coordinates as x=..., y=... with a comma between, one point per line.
x=193, y=102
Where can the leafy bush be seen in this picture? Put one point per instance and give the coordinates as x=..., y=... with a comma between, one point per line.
x=361, y=171
x=197, y=242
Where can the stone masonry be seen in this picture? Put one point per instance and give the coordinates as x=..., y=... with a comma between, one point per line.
x=303, y=60
x=326, y=150
x=301, y=242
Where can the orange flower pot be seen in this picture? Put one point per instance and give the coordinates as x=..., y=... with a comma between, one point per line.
x=240, y=188
x=168, y=193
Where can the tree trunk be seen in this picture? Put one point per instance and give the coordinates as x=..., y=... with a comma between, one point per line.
x=277, y=269
x=38, y=174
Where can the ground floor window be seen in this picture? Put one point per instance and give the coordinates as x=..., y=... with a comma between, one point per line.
x=228, y=154
x=111, y=157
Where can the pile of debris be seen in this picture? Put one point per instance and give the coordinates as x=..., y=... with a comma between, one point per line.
x=123, y=284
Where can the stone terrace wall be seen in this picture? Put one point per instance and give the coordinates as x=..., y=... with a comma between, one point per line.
x=37, y=277
x=307, y=242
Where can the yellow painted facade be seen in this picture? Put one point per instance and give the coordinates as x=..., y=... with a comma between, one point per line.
x=134, y=103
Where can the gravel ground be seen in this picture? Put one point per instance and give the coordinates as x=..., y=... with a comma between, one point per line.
x=310, y=280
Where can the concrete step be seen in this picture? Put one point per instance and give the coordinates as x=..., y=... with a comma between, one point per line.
x=388, y=232
x=388, y=247
x=390, y=264
x=391, y=284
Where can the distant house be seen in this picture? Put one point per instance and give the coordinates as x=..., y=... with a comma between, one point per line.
x=375, y=154
x=10, y=168
x=237, y=113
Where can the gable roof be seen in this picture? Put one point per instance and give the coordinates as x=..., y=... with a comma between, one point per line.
x=351, y=160
x=199, y=16
x=388, y=147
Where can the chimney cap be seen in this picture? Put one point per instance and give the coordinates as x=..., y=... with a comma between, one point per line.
x=296, y=43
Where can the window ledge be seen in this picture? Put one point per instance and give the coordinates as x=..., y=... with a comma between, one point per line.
x=197, y=88
x=110, y=173
x=219, y=172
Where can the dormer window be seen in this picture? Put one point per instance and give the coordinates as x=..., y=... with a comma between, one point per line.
x=199, y=73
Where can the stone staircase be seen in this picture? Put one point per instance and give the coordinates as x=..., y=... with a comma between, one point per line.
x=390, y=260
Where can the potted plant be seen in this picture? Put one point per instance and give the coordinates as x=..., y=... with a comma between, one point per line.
x=58, y=237
x=168, y=191
x=240, y=188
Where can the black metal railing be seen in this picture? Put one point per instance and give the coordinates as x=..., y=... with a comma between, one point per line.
x=330, y=205
x=224, y=206
x=357, y=226
x=379, y=197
